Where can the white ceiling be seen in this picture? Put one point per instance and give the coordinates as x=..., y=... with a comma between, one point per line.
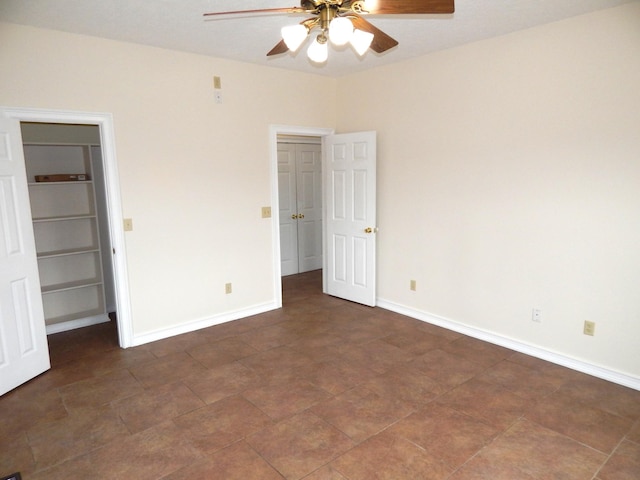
x=179, y=25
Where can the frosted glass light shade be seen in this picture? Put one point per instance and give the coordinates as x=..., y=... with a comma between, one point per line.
x=340, y=31
x=318, y=52
x=294, y=35
x=361, y=41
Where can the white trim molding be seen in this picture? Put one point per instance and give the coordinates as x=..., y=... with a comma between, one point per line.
x=79, y=323
x=192, y=326
x=553, y=357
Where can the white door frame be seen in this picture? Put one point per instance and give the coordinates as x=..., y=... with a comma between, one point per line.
x=274, y=131
x=114, y=203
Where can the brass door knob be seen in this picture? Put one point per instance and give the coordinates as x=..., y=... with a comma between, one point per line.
x=368, y=230
x=294, y=216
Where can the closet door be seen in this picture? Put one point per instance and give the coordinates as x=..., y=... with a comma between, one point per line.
x=288, y=208
x=309, y=203
x=300, y=198
x=24, y=351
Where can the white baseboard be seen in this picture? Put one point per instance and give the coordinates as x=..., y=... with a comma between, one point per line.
x=192, y=326
x=534, y=351
x=78, y=323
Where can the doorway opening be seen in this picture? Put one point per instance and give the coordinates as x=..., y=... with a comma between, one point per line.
x=283, y=132
x=112, y=209
x=300, y=203
x=66, y=185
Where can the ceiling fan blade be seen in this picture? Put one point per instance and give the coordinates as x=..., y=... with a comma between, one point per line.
x=281, y=47
x=381, y=41
x=258, y=10
x=386, y=7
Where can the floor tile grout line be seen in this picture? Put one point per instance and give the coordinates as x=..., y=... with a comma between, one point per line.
x=609, y=456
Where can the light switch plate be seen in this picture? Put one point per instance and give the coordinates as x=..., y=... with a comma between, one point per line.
x=589, y=328
x=128, y=224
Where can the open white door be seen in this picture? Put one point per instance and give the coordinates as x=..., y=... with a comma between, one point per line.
x=350, y=226
x=24, y=352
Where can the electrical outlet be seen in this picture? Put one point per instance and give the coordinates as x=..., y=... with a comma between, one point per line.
x=589, y=328
x=227, y=288
x=127, y=224
x=536, y=315
x=412, y=285
x=266, y=212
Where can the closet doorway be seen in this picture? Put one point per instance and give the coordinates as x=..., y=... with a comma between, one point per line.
x=104, y=122
x=299, y=161
x=67, y=192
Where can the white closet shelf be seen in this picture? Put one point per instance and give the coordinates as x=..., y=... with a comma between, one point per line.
x=70, y=182
x=62, y=287
x=64, y=218
x=64, y=253
x=76, y=316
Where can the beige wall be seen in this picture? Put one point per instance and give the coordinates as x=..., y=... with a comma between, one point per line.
x=509, y=174
x=193, y=174
x=509, y=178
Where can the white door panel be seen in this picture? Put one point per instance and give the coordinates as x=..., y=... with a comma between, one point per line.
x=24, y=352
x=350, y=173
x=288, y=254
x=308, y=247
x=339, y=259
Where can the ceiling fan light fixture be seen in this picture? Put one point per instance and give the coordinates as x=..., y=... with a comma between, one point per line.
x=294, y=35
x=361, y=41
x=318, y=51
x=340, y=31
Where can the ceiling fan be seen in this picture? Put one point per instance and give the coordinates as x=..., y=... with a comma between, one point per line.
x=342, y=22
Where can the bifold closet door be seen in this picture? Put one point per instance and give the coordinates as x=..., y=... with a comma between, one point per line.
x=300, y=199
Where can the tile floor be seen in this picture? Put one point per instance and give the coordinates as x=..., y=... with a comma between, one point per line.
x=322, y=389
